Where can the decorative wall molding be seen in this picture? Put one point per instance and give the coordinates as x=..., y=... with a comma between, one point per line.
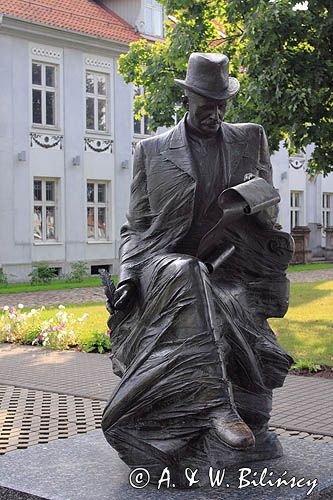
x=297, y=161
x=39, y=51
x=98, y=145
x=46, y=141
x=99, y=63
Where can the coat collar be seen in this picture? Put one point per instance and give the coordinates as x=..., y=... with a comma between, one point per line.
x=179, y=153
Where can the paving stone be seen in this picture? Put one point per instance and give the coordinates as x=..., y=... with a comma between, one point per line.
x=36, y=428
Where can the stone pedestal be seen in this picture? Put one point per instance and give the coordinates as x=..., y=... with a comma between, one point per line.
x=329, y=243
x=303, y=254
x=85, y=467
x=315, y=240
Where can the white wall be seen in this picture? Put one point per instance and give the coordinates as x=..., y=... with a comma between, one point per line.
x=18, y=250
x=127, y=9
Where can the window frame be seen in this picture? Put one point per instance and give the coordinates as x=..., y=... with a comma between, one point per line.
x=296, y=211
x=327, y=209
x=43, y=88
x=44, y=204
x=153, y=8
x=96, y=205
x=96, y=97
x=144, y=131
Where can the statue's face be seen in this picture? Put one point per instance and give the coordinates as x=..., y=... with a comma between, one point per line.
x=206, y=115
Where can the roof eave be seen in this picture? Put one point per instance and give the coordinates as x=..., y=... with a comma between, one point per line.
x=28, y=28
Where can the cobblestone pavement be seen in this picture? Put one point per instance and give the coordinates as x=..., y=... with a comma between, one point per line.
x=54, y=297
x=48, y=395
x=308, y=276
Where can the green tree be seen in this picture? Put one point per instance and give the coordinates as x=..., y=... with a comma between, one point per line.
x=281, y=52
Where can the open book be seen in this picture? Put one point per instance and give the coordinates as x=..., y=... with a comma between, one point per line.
x=245, y=199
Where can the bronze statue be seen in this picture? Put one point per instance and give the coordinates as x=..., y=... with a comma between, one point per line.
x=202, y=268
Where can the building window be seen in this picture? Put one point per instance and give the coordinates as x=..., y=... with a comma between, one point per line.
x=327, y=210
x=97, y=102
x=154, y=18
x=44, y=94
x=97, y=210
x=296, y=208
x=140, y=126
x=45, y=210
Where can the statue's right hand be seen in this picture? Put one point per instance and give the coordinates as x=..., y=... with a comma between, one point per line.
x=124, y=295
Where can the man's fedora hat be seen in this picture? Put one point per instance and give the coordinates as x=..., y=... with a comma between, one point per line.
x=208, y=76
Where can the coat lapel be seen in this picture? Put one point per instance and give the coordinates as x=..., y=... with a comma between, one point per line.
x=178, y=151
x=234, y=147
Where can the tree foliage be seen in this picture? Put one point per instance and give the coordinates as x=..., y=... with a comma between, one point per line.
x=280, y=51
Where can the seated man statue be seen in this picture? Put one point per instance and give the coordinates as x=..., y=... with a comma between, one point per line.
x=202, y=268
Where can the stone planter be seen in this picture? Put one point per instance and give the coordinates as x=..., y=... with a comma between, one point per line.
x=329, y=243
x=303, y=254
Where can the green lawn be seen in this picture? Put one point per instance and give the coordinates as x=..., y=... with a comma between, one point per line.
x=309, y=267
x=96, y=321
x=306, y=332
x=54, y=285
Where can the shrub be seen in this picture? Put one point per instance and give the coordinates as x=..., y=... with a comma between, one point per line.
x=78, y=272
x=61, y=331
x=17, y=326
x=99, y=342
x=306, y=365
x=3, y=277
x=41, y=273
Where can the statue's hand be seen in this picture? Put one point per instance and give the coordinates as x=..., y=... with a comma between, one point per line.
x=249, y=176
x=124, y=295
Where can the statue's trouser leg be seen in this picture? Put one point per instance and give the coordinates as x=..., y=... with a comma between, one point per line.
x=252, y=397
x=254, y=408
x=176, y=376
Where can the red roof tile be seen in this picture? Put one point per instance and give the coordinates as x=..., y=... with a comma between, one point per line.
x=84, y=16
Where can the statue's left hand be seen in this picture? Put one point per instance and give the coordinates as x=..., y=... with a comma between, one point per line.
x=124, y=295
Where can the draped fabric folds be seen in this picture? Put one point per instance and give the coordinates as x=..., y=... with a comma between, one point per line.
x=193, y=341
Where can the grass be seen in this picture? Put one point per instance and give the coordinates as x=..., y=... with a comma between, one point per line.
x=306, y=332
x=96, y=321
x=309, y=267
x=54, y=285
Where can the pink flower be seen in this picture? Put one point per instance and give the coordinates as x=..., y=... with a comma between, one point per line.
x=37, y=339
x=108, y=332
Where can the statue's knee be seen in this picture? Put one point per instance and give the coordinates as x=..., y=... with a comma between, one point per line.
x=186, y=265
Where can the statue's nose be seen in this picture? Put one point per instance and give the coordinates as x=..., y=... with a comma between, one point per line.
x=215, y=112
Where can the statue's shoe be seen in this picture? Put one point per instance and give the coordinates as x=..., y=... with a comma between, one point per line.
x=232, y=430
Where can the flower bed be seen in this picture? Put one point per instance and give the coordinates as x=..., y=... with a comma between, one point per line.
x=54, y=328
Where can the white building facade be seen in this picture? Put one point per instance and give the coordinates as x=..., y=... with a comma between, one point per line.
x=67, y=135
x=305, y=201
